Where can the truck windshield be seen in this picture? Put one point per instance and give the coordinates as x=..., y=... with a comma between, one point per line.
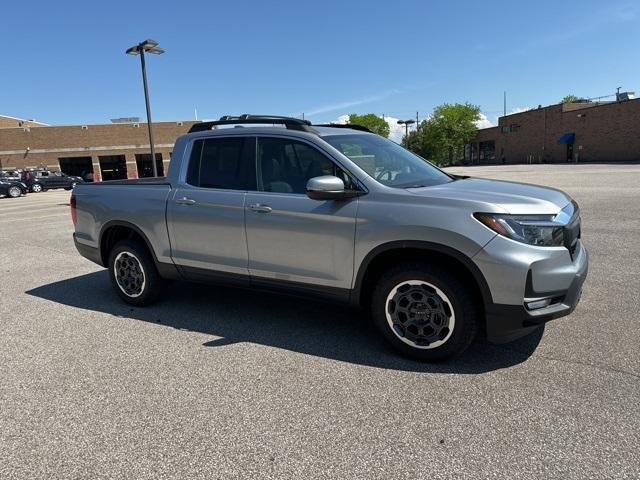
x=387, y=162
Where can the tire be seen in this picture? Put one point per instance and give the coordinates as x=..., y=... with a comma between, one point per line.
x=133, y=273
x=14, y=192
x=37, y=188
x=425, y=311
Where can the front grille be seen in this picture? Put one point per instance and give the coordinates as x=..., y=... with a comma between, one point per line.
x=572, y=234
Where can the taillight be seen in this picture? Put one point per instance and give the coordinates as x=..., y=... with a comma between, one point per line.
x=74, y=212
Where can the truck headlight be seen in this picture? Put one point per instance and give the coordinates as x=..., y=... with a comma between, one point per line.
x=539, y=230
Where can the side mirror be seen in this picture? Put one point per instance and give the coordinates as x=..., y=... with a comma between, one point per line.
x=328, y=187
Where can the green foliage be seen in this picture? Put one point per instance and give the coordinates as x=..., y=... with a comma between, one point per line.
x=441, y=138
x=373, y=122
x=569, y=99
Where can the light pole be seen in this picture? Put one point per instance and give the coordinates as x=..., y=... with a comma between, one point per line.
x=406, y=124
x=150, y=46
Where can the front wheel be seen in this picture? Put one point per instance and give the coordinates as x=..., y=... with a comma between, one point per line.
x=425, y=311
x=14, y=192
x=133, y=273
x=36, y=188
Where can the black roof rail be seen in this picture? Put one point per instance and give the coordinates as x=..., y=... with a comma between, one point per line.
x=352, y=126
x=289, y=122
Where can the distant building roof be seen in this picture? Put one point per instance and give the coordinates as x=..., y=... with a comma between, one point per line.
x=7, y=121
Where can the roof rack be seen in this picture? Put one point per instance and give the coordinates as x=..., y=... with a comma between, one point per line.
x=352, y=126
x=288, y=122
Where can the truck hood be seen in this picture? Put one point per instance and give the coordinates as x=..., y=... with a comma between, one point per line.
x=510, y=197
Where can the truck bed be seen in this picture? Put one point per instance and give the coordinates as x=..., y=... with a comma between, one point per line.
x=140, y=203
x=135, y=181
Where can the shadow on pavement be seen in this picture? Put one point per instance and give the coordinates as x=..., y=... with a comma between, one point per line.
x=290, y=323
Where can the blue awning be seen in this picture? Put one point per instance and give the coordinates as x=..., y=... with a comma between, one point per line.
x=567, y=138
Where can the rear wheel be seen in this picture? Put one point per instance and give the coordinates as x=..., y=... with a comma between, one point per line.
x=14, y=192
x=133, y=273
x=425, y=311
x=37, y=188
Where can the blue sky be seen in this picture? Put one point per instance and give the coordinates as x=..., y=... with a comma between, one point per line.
x=64, y=62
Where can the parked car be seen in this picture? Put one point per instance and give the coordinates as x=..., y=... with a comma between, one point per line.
x=10, y=175
x=339, y=212
x=46, y=180
x=12, y=188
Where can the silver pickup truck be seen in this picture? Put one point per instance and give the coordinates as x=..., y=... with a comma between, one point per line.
x=338, y=212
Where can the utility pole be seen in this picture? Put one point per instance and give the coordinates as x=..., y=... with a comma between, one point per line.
x=406, y=124
x=154, y=167
x=417, y=121
x=150, y=46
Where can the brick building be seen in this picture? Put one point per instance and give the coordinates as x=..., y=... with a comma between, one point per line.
x=108, y=151
x=581, y=131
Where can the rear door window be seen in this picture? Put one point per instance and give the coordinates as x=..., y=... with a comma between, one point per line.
x=223, y=163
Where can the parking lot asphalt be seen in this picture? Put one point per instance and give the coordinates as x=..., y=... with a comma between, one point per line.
x=218, y=383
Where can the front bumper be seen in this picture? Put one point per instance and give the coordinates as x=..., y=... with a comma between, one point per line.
x=521, y=274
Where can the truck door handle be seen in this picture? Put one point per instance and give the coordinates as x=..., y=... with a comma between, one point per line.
x=257, y=207
x=185, y=201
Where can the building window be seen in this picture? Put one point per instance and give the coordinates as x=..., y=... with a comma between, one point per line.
x=514, y=127
x=474, y=153
x=487, y=151
x=504, y=129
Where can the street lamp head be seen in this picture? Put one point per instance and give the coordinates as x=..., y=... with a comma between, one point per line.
x=409, y=122
x=148, y=44
x=400, y=122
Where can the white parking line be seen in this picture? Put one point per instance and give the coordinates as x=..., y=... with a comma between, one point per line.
x=65, y=214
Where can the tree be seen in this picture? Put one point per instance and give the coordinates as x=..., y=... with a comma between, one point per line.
x=569, y=99
x=442, y=137
x=373, y=122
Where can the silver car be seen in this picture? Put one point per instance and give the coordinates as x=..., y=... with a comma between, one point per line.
x=341, y=213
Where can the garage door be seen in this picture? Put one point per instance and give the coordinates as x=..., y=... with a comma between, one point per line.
x=77, y=166
x=113, y=167
x=145, y=168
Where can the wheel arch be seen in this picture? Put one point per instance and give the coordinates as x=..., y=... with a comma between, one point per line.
x=382, y=256
x=114, y=231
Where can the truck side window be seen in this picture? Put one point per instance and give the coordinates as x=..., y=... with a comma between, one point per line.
x=286, y=165
x=225, y=163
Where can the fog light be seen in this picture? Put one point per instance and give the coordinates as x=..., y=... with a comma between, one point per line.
x=536, y=304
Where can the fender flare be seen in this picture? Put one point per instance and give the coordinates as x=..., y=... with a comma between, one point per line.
x=477, y=275
x=135, y=228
